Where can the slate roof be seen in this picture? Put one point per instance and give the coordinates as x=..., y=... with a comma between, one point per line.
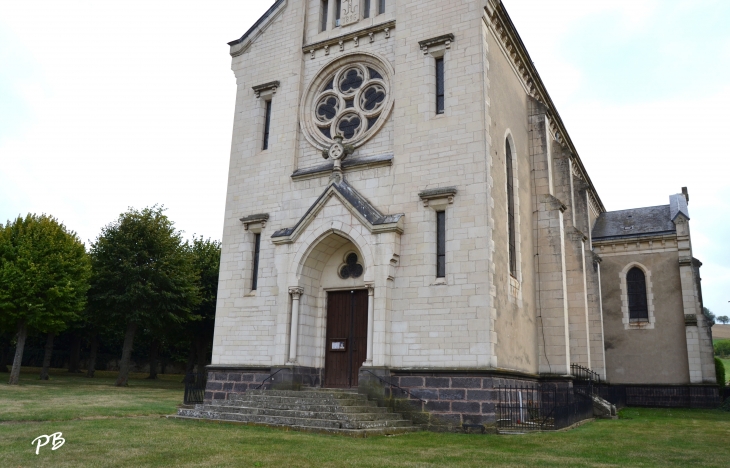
x=368, y=211
x=634, y=222
x=258, y=22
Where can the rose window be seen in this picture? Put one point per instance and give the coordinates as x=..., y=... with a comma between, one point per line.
x=350, y=97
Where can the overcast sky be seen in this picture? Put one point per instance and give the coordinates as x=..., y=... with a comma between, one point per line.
x=106, y=105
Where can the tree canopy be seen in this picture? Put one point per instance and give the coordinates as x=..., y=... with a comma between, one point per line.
x=44, y=277
x=143, y=275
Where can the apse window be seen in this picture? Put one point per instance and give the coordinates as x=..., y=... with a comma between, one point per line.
x=338, y=11
x=381, y=7
x=366, y=9
x=255, y=272
x=636, y=288
x=440, y=244
x=267, y=125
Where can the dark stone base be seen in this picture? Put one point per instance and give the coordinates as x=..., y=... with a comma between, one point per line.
x=454, y=401
x=224, y=381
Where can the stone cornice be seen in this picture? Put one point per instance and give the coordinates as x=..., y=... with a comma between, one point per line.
x=499, y=22
x=260, y=218
x=271, y=85
x=354, y=36
x=367, y=162
x=445, y=39
x=658, y=236
x=447, y=193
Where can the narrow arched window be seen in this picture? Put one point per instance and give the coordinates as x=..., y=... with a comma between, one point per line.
x=636, y=288
x=511, y=211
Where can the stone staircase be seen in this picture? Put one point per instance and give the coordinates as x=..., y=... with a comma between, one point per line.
x=313, y=410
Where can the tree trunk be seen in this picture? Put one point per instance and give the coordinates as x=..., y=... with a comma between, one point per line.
x=202, y=361
x=73, y=359
x=91, y=368
x=190, y=366
x=126, y=355
x=3, y=355
x=22, y=334
x=47, y=356
x=154, y=347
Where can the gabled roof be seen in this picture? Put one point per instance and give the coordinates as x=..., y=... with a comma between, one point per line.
x=368, y=215
x=677, y=205
x=240, y=45
x=651, y=220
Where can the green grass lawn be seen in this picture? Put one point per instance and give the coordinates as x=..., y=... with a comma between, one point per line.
x=123, y=427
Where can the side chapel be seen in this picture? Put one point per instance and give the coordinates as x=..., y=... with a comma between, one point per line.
x=405, y=201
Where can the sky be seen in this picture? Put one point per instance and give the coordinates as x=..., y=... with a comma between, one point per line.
x=117, y=104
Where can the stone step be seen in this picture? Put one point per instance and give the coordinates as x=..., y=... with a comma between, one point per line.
x=266, y=399
x=316, y=407
x=308, y=394
x=292, y=421
x=320, y=430
x=362, y=416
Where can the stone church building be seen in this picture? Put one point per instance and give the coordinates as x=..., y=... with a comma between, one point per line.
x=405, y=203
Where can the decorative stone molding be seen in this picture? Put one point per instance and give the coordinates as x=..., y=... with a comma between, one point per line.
x=255, y=221
x=499, y=23
x=368, y=162
x=646, y=243
x=445, y=193
x=440, y=42
x=266, y=88
x=342, y=41
x=372, y=219
x=628, y=323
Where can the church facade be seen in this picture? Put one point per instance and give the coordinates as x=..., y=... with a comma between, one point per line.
x=405, y=204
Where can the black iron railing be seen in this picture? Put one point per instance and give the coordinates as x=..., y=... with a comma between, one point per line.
x=194, y=388
x=541, y=407
x=584, y=373
x=267, y=378
x=395, y=385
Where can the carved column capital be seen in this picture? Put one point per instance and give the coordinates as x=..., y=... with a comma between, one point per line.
x=296, y=291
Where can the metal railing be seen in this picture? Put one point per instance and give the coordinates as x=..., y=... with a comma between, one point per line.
x=194, y=388
x=541, y=407
x=395, y=385
x=267, y=378
x=584, y=373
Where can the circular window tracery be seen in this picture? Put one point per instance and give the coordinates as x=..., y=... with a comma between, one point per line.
x=351, y=268
x=351, y=97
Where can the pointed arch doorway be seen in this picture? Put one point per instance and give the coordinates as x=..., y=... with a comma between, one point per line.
x=347, y=333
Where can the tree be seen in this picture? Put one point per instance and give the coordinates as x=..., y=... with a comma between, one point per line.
x=724, y=319
x=710, y=316
x=207, y=259
x=44, y=277
x=142, y=276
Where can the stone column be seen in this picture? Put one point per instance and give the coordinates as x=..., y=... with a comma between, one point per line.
x=296, y=293
x=371, y=322
x=331, y=19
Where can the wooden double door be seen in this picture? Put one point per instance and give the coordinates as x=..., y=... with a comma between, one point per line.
x=347, y=331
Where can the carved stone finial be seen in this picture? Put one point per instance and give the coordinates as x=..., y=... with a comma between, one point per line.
x=337, y=152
